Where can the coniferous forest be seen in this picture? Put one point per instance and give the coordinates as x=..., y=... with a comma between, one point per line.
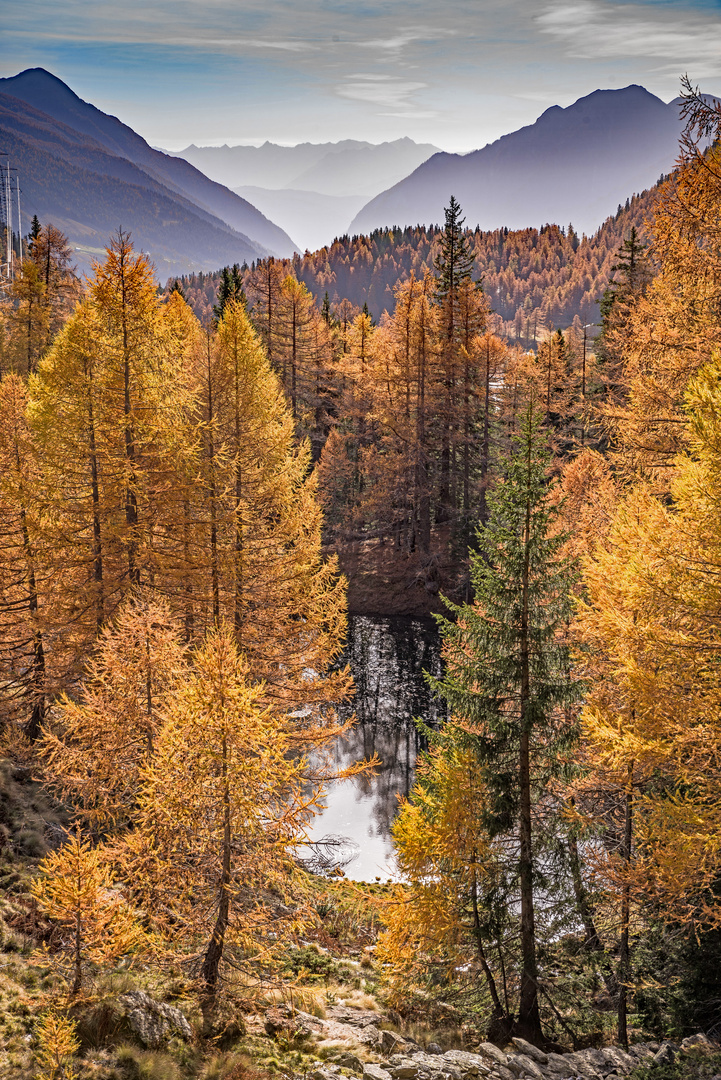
x=518, y=432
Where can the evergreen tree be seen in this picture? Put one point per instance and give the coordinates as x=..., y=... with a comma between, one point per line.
x=507, y=680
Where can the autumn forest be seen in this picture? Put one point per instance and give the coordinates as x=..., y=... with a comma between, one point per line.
x=517, y=433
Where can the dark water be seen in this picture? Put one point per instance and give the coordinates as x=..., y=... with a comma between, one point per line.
x=387, y=657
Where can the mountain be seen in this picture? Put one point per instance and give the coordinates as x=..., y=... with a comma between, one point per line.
x=349, y=167
x=314, y=189
x=89, y=173
x=574, y=164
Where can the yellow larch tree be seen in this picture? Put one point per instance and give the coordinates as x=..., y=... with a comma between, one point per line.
x=224, y=801
x=96, y=744
x=76, y=890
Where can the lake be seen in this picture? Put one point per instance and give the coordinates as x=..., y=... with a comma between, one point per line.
x=387, y=656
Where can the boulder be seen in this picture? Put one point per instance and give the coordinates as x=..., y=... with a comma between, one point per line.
x=697, y=1042
x=434, y=1048
x=403, y=1068
x=469, y=1064
x=281, y=1019
x=375, y=1072
x=666, y=1054
x=390, y=1042
x=557, y=1065
x=154, y=1022
x=530, y=1051
x=351, y=1062
x=493, y=1053
x=523, y=1065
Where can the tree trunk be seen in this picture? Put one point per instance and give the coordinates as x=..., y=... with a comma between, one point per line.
x=529, y=1019
x=214, y=952
x=624, y=958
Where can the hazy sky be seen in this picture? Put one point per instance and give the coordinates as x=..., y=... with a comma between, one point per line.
x=456, y=74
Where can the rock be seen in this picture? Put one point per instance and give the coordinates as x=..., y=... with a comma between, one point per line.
x=501, y=1072
x=152, y=1021
x=470, y=1064
x=434, y=1048
x=391, y=1042
x=530, y=1051
x=493, y=1053
x=282, y=1020
x=324, y=1072
x=697, y=1042
x=350, y=1061
x=666, y=1054
x=523, y=1065
x=354, y=1017
x=557, y=1065
x=581, y=1066
x=375, y=1072
x=618, y=1060
x=405, y=1068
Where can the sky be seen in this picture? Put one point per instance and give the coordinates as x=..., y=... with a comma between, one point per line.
x=458, y=74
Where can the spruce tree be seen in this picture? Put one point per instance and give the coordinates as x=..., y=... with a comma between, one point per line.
x=507, y=678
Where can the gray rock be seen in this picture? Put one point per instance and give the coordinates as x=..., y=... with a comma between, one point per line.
x=558, y=1065
x=324, y=1072
x=696, y=1042
x=523, y=1065
x=434, y=1048
x=581, y=1066
x=350, y=1061
x=492, y=1052
x=530, y=1051
x=501, y=1072
x=375, y=1072
x=405, y=1069
x=666, y=1054
x=390, y=1042
x=152, y=1021
x=618, y=1060
x=469, y=1064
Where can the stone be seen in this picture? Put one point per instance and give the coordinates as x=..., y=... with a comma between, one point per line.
x=697, y=1042
x=666, y=1054
x=375, y=1072
x=523, y=1065
x=350, y=1061
x=530, y=1051
x=501, y=1072
x=154, y=1022
x=618, y=1060
x=390, y=1042
x=282, y=1020
x=581, y=1066
x=323, y=1073
x=492, y=1052
x=557, y=1065
x=434, y=1048
x=469, y=1064
x=402, y=1067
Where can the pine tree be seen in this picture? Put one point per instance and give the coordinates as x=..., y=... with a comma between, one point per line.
x=507, y=682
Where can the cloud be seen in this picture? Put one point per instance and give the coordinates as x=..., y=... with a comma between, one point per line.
x=384, y=91
x=676, y=35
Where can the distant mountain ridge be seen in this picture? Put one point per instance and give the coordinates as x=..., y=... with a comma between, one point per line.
x=313, y=189
x=574, y=164
x=89, y=173
x=349, y=167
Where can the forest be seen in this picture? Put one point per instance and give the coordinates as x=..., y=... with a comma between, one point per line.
x=192, y=498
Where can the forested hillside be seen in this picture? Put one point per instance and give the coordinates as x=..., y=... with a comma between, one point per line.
x=535, y=280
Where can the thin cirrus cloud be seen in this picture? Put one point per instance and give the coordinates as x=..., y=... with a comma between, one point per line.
x=394, y=96
x=670, y=36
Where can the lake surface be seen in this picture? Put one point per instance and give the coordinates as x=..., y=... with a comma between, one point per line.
x=387, y=656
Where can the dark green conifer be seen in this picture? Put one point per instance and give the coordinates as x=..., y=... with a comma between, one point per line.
x=507, y=676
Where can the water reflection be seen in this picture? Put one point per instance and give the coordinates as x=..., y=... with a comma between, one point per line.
x=388, y=656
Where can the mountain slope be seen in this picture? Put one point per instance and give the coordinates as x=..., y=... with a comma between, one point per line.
x=42, y=91
x=344, y=168
x=69, y=179
x=574, y=164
